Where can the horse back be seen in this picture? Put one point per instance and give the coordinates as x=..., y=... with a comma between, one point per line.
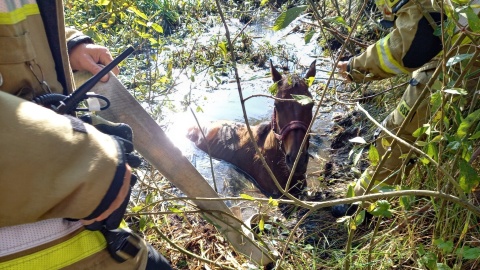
x=230, y=141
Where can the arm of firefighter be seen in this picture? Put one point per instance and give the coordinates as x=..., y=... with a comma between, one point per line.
x=409, y=46
x=53, y=166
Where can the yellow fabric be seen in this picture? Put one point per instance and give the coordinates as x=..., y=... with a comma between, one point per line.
x=384, y=59
x=59, y=172
x=18, y=14
x=403, y=108
x=66, y=253
x=387, y=61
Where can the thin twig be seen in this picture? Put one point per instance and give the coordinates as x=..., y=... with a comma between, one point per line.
x=412, y=148
x=188, y=253
x=208, y=149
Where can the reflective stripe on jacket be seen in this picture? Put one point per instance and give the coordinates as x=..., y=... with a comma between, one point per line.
x=53, y=166
x=410, y=45
x=62, y=243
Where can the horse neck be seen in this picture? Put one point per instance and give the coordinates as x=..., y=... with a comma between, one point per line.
x=271, y=143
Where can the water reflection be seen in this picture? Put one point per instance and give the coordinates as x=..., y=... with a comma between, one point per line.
x=222, y=102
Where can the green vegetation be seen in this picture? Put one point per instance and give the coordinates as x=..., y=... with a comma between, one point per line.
x=430, y=221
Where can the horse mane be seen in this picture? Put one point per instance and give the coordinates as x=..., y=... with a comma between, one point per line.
x=266, y=137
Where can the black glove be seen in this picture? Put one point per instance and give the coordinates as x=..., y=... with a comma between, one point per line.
x=124, y=135
x=122, y=132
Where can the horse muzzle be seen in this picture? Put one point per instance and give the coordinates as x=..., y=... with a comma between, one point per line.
x=302, y=164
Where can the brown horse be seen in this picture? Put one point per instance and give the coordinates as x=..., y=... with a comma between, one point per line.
x=279, y=140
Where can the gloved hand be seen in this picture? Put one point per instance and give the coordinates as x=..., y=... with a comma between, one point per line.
x=123, y=134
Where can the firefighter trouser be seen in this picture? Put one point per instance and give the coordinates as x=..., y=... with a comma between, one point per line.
x=392, y=170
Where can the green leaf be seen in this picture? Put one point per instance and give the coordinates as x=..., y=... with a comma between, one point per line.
x=261, y=224
x=351, y=190
x=466, y=123
x=437, y=138
x=310, y=81
x=272, y=202
x=475, y=136
x=432, y=151
x=338, y=20
x=264, y=2
x=406, y=202
x=352, y=225
x=287, y=17
x=149, y=198
x=461, y=2
x=436, y=100
x=175, y=210
x=382, y=208
x=421, y=130
x=385, y=143
x=357, y=155
x=137, y=208
x=437, y=85
x=360, y=218
x=104, y=2
x=247, y=197
x=223, y=47
x=157, y=27
x=429, y=260
x=473, y=20
x=458, y=58
x=153, y=42
x=138, y=12
x=373, y=155
x=446, y=247
x=142, y=224
x=442, y=266
x=424, y=160
x=468, y=176
x=308, y=36
x=273, y=89
x=304, y=100
x=471, y=253
x=468, y=253
x=454, y=146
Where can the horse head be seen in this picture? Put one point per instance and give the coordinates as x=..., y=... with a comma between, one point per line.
x=291, y=119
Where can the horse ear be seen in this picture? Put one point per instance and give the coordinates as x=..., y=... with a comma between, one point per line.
x=276, y=76
x=312, y=70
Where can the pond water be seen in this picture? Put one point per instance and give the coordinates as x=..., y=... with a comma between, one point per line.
x=222, y=102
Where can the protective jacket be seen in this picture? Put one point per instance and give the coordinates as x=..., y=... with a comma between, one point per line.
x=53, y=166
x=409, y=46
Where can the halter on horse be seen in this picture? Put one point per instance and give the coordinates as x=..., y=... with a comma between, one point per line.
x=280, y=141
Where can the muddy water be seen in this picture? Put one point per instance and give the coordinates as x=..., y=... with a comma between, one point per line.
x=211, y=101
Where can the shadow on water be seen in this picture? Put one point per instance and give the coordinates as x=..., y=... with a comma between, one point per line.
x=222, y=102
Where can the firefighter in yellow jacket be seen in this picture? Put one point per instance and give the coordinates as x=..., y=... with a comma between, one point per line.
x=56, y=169
x=410, y=48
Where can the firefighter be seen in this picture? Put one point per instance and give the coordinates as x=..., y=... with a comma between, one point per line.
x=412, y=48
x=58, y=174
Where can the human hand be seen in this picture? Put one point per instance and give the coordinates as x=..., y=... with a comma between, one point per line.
x=342, y=67
x=86, y=57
